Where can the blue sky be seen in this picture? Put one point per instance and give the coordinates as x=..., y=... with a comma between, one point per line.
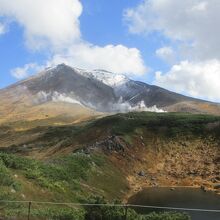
x=173, y=44
x=13, y=53
x=101, y=23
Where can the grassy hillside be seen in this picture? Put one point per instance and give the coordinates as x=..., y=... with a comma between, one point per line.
x=104, y=157
x=73, y=178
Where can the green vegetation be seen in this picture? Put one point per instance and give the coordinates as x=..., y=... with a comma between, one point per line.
x=167, y=125
x=64, y=175
x=166, y=216
x=72, y=178
x=59, y=174
x=173, y=124
x=170, y=125
x=76, y=176
x=91, y=213
x=51, y=174
x=5, y=176
x=119, y=213
x=52, y=212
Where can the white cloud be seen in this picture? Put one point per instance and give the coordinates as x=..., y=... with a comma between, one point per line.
x=53, y=22
x=2, y=29
x=197, y=79
x=26, y=70
x=54, y=25
x=192, y=25
x=118, y=59
x=200, y=6
x=166, y=53
x=193, y=22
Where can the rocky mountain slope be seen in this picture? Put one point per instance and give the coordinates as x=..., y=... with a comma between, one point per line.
x=182, y=145
x=114, y=157
x=63, y=92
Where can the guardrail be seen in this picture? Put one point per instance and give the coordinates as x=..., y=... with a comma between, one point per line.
x=125, y=206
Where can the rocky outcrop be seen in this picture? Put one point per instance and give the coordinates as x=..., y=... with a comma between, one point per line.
x=109, y=145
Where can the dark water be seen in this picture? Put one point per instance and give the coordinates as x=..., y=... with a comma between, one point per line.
x=180, y=197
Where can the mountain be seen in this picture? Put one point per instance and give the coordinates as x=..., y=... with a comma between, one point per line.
x=85, y=94
x=135, y=95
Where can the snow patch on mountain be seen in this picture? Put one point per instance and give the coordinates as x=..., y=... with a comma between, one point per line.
x=108, y=78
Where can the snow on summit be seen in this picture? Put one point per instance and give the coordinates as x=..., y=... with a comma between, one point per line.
x=106, y=77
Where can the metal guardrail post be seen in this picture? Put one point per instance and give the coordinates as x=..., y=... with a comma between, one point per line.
x=29, y=210
x=126, y=212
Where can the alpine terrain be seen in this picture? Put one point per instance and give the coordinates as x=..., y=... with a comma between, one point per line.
x=85, y=94
x=76, y=136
